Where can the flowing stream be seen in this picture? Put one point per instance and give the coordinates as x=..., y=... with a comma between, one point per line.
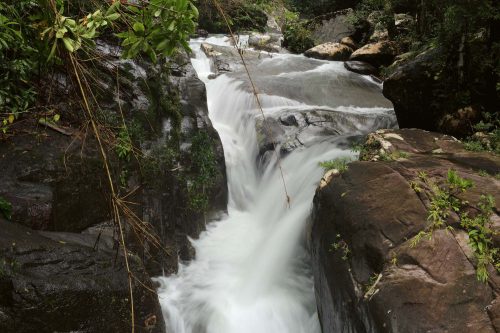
x=251, y=273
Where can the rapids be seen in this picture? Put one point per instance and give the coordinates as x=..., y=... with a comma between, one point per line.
x=251, y=273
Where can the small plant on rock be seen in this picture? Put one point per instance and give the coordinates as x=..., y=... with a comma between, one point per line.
x=444, y=201
x=340, y=245
x=341, y=164
x=5, y=208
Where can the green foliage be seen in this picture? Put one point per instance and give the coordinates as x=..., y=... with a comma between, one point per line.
x=203, y=169
x=474, y=145
x=341, y=164
x=73, y=34
x=481, y=236
x=17, y=63
x=483, y=173
x=5, y=208
x=37, y=36
x=313, y=8
x=489, y=137
x=297, y=36
x=415, y=186
x=367, y=7
x=444, y=201
x=123, y=145
x=159, y=162
x=158, y=28
x=241, y=15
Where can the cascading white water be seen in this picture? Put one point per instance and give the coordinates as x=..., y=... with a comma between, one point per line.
x=251, y=272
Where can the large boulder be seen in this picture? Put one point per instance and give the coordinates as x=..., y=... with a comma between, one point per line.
x=333, y=27
x=227, y=59
x=425, y=96
x=371, y=275
x=56, y=181
x=270, y=42
x=330, y=51
x=62, y=282
x=376, y=54
x=411, y=88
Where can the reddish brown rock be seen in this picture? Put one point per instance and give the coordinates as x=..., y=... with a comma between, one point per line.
x=372, y=213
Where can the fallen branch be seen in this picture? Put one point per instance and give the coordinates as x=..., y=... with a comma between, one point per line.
x=50, y=124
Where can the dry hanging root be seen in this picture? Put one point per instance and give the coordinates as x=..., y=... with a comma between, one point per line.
x=114, y=199
x=255, y=93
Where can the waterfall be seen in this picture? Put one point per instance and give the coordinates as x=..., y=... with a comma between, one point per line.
x=251, y=273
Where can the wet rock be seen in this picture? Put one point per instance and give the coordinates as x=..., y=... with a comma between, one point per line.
x=63, y=284
x=53, y=182
x=376, y=54
x=265, y=42
x=202, y=33
x=296, y=128
x=269, y=135
x=226, y=58
x=289, y=120
x=360, y=67
x=330, y=51
x=373, y=279
x=58, y=183
x=165, y=196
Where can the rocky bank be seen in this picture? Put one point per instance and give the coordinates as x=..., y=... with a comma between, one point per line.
x=370, y=273
x=61, y=266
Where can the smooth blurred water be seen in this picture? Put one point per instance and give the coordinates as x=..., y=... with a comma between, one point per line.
x=251, y=273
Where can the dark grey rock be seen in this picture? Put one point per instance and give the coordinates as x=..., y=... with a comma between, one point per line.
x=360, y=67
x=63, y=284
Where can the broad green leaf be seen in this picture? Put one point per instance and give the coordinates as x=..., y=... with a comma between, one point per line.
x=60, y=33
x=69, y=44
x=112, y=8
x=194, y=9
x=52, y=51
x=171, y=26
x=113, y=16
x=138, y=27
x=162, y=45
x=71, y=22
